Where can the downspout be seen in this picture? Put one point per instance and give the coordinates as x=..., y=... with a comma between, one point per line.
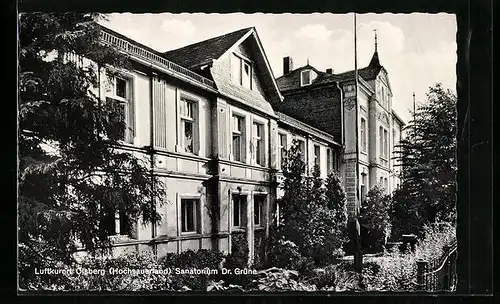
x=342, y=133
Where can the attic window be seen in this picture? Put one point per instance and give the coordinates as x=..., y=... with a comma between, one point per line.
x=241, y=71
x=305, y=78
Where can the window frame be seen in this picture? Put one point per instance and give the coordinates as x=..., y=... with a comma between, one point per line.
x=317, y=157
x=195, y=217
x=112, y=75
x=263, y=197
x=281, y=149
x=194, y=120
x=240, y=66
x=241, y=134
x=242, y=208
x=198, y=221
x=302, y=73
x=363, y=133
x=259, y=143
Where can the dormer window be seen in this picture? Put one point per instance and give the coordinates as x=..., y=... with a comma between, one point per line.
x=305, y=78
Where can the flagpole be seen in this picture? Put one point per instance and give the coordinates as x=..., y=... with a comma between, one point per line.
x=358, y=257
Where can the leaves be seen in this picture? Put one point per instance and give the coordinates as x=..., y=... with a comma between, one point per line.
x=427, y=191
x=69, y=161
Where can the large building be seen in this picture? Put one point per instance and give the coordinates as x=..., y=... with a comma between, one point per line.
x=364, y=123
x=215, y=121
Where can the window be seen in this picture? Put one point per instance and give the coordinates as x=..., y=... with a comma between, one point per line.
x=363, y=135
x=258, y=207
x=317, y=156
x=117, y=222
x=281, y=150
x=189, y=215
x=363, y=187
x=302, y=150
x=258, y=145
x=241, y=71
x=238, y=138
x=119, y=91
x=386, y=144
x=305, y=77
x=381, y=140
x=187, y=110
x=329, y=160
x=239, y=208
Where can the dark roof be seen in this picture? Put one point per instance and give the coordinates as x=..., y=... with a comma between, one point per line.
x=291, y=80
x=202, y=52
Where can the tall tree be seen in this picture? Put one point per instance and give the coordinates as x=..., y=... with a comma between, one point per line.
x=73, y=174
x=313, y=211
x=427, y=154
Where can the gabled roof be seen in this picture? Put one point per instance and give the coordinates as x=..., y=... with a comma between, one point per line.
x=203, y=52
x=291, y=81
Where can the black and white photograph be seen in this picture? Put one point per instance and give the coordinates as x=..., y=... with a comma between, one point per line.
x=237, y=152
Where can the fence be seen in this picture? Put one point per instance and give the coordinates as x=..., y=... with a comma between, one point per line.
x=439, y=274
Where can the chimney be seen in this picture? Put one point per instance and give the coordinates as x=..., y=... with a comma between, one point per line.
x=287, y=65
x=329, y=71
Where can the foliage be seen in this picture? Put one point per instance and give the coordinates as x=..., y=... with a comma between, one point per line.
x=277, y=279
x=312, y=213
x=285, y=254
x=427, y=192
x=72, y=175
x=436, y=236
x=374, y=218
x=396, y=272
x=239, y=252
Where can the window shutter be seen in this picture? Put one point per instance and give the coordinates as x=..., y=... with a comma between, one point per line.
x=160, y=114
x=222, y=130
x=273, y=144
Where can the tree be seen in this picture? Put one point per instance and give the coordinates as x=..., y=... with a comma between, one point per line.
x=374, y=220
x=313, y=213
x=427, y=154
x=73, y=175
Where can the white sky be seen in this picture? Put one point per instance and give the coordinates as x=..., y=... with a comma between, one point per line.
x=418, y=50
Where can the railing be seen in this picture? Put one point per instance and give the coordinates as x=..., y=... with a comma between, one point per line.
x=129, y=48
x=439, y=274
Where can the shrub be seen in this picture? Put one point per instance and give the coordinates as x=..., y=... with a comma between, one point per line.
x=397, y=272
x=375, y=221
x=285, y=254
x=436, y=236
x=277, y=279
x=199, y=259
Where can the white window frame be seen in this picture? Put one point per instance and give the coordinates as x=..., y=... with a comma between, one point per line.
x=302, y=73
x=317, y=157
x=363, y=136
x=198, y=215
x=239, y=62
x=127, y=101
x=194, y=120
x=281, y=149
x=241, y=134
x=256, y=123
x=264, y=197
x=241, y=209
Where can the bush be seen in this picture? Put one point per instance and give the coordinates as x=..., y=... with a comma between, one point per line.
x=436, y=236
x=277, y=279
x=199, y=259
x=375, y=221
x=396, y=272
x=285, y=254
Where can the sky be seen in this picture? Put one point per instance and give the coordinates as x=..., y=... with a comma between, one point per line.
x=417, y=50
